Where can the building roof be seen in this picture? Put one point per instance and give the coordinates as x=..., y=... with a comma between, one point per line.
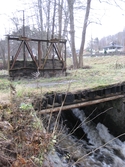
x=113, y=46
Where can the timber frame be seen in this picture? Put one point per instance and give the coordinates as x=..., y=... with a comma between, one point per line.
x=45, y=65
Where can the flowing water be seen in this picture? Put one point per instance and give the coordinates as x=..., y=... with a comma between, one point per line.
x=101, y=149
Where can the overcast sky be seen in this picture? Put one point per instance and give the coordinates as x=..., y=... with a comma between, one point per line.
x=112, y=18
x=7, y=7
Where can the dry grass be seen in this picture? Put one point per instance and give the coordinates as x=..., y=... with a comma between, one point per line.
x=102, y=71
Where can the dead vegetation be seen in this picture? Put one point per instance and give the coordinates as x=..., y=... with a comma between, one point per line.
x=23, y=139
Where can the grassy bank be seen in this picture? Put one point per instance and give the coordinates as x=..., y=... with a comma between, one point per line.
x=97, y=71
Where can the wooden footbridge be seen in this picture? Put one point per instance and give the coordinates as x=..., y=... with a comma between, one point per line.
x=52, y=102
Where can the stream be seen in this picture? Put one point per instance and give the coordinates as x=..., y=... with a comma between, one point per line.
x=82, y=143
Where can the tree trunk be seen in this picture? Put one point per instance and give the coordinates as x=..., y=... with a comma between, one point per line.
x=60, y=7
x=48, y=21
x=66, y=22
x=41, y=16
x=72, y=33
x=84, y=34
x=53, y=24
x=41, y=24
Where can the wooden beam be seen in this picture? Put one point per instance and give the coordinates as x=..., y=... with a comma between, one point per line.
x=18, y=51
x=39, y=53
x=82, y=104
x=8, y=55
x=46, y=57
x=20, y=38
x=30, y=52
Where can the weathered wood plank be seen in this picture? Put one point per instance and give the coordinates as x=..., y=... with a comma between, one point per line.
x=82, y=104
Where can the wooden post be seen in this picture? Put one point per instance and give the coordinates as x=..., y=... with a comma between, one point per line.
x=65, y=56
x=24, y=54
x=82, y=104
x=8, y=55
x=39, y=54
x=18, y=51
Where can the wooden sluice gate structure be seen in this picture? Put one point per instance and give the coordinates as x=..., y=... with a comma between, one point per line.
x=23, y=62
x=53, y=102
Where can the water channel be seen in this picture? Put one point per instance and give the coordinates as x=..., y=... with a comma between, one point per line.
x=89, y=144
x=86, y=141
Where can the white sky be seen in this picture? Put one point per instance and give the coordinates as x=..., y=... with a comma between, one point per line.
x=112, y=19
x=7, y=7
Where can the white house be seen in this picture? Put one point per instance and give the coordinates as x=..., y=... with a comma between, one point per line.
x=112, y=49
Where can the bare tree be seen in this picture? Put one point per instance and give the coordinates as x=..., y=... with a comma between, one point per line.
x=66, y=21
x=53, y=22
x=72, y=31
x=60, y=5
x=48, y=19
x=40, y=15
x=84, y=33
x=15, y=21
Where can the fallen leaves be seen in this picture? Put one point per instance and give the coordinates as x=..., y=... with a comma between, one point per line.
x=20, y=140
x=5, y=126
